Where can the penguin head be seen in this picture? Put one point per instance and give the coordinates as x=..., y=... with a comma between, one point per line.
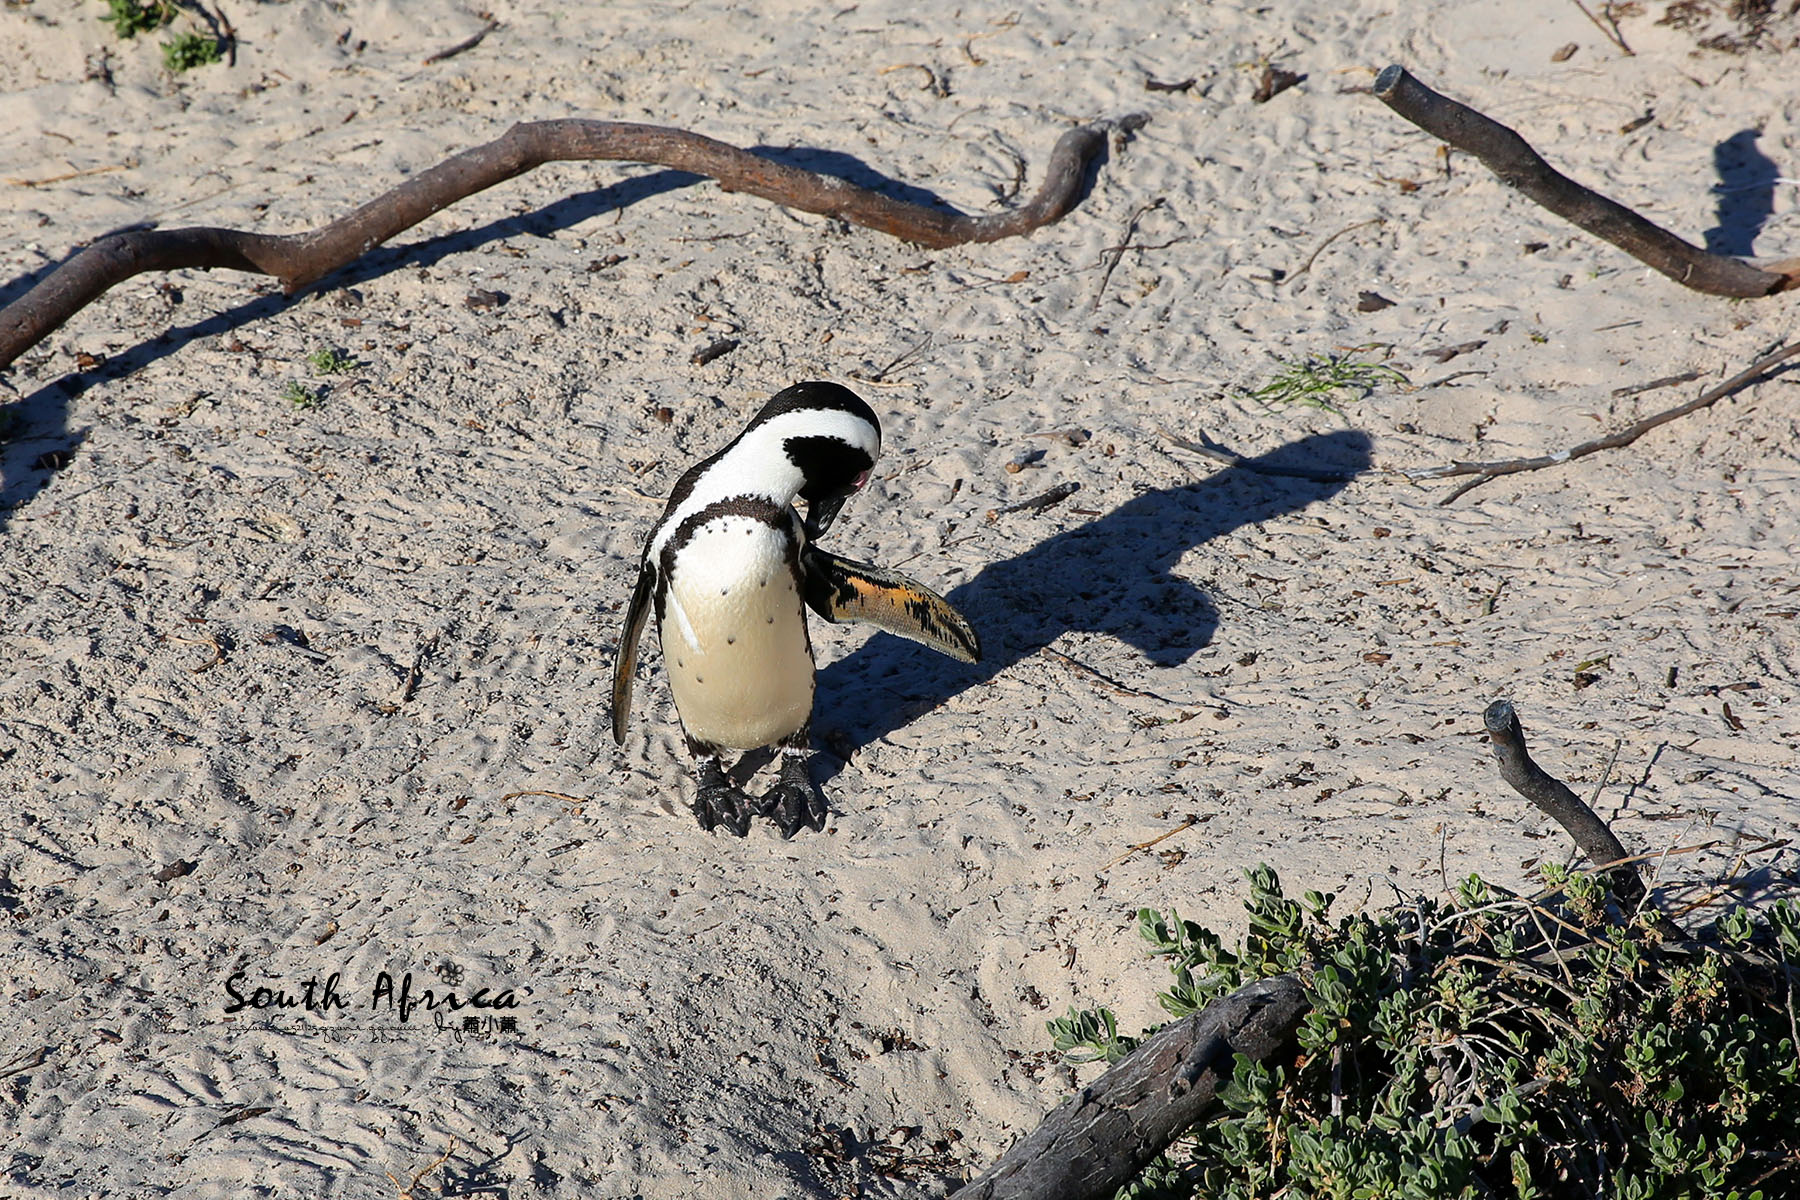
x=830, y=437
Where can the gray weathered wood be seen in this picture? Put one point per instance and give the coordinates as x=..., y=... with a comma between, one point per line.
x=1521, y=168
x=1105, y=1134
x=300, y=259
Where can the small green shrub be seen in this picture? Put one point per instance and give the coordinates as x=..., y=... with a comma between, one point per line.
x=301, y=396
x=189, y=50
x=1492, y=1046
x=329, y=360
x=132, y=17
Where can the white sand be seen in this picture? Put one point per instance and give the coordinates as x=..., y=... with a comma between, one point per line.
x=1303, y=667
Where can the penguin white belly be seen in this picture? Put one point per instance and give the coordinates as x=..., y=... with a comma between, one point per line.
x=734, y=636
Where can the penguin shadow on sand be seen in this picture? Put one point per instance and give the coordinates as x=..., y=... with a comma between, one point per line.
x=1746, y=192
x=1113, y=575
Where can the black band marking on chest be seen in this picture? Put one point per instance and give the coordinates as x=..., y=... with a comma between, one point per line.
x=755, y=508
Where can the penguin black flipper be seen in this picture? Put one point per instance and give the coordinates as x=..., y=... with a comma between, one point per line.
x=840, y=590
x=625, y=657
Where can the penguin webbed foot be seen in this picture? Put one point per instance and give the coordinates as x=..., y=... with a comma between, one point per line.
x=795, y=800
x=718, y=801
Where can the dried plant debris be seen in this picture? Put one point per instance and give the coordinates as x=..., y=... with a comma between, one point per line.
x=1735, y=26
x=1274, y=81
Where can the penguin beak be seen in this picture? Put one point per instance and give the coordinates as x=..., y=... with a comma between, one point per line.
x=819, y=516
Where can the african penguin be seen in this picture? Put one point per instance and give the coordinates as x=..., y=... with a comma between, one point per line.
x=729, y=570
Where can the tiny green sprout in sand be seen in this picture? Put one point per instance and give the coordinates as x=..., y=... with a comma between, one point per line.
x=1325, y=381
x=301, y=396
x=189, y=50
x=331, y=361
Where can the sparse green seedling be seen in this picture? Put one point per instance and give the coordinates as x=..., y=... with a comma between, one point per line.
x=189, y=50
x=301, y=396
x=331, y=361
x=132, y=17
x=1327, y=381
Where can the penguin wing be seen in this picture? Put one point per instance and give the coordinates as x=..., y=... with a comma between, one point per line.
x=841, y=590
x=625, y=657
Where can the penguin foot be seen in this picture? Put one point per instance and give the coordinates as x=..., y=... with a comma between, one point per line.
x=795, y=800
x=719, y=802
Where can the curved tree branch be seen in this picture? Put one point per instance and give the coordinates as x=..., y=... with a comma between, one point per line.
x=1100, y=1138
x=1508, y=155
x=302, y=258
x=1556, y=800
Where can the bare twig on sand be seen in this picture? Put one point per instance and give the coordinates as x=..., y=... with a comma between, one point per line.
x=47, y=180
x=25, y=1060
x=468, y=43
x=1207, y=448
x=1111, y=1128
x=1635, y=389
x=409, y=1191
x=302, y=258
x=1118, y=251
x=1104, y=680
x=1508, y=155
x=540, y=792
x=1048, y=498
x=1609, y=27
x=1160, y=838
x=1484, y=471
x=1317, y=250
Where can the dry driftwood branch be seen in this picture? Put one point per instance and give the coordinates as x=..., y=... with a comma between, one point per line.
x=1508, y=155
x=1102, y=1136
x=1553, y=797
x=1484, y=471
x=302, y=258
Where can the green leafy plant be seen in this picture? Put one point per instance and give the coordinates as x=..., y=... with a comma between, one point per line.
x=301, y=396
x=132, y=17
x=1090, y=1035
x=184, y=52
x=1320, y=382
x=190, y=50
x=329, y=360
x=1495, y=1045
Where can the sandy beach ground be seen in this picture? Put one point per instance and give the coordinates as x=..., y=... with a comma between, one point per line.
x=289, y=692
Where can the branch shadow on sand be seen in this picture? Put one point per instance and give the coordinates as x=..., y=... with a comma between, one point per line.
x=1113, y=575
